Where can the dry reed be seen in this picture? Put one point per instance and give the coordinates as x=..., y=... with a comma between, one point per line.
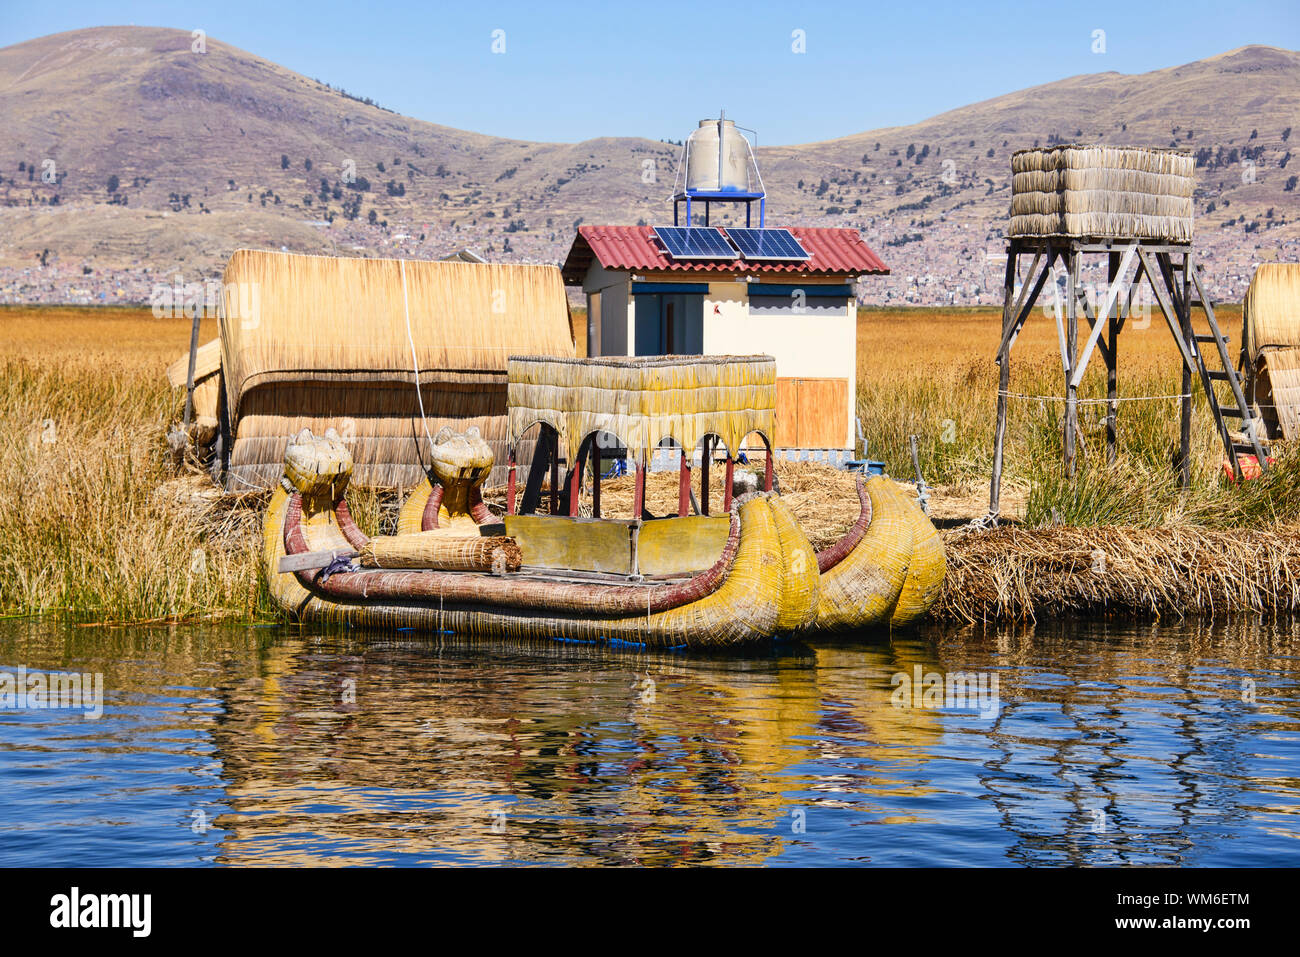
x=1102, y=191
x=317, y=342
x=1014, y=573
x=1272, y=343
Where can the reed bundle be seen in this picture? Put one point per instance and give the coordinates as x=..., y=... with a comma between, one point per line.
x=1271, y=338
x=1023, y=574
x=1103, y=192
x=644, y=399
x=317, y=342
x=1271, y=309
x=437, y=550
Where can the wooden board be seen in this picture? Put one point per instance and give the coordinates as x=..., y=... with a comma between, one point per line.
x=594, y=545
x=812, y=413
x=692, y=543
x=787, y=413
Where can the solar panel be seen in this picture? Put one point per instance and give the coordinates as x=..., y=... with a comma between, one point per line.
x=695, y=242
x=770, y=244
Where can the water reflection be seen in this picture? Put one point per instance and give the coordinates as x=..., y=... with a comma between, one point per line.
x=1173, y=745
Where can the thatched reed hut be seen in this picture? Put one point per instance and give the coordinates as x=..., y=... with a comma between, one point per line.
x=320, y=342
x=1270, y=339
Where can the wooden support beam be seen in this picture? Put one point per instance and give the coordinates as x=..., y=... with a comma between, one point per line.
x=1113, y=291
x=726, y=491
x=1026, y=300
x=1166, y=308
x=1072, y=346
x=1112, y=360
x=510, y=484
x=543, y=452
x=555, y=474
x=189, y=376
x=1009, y=316
x=595, y=476
x=1185, y=325
x=684, y=485
x=769, y=470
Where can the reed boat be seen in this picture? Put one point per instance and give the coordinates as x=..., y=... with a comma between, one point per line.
x=696, y=579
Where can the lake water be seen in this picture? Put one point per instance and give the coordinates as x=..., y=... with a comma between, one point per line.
x=1172, y=744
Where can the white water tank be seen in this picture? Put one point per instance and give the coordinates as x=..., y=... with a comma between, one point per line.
x=717, y=163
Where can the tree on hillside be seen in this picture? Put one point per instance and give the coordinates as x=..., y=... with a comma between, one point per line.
x=113, y=183
x=284, y=161
x=306, y=164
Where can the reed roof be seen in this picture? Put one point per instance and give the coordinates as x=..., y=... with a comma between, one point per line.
x=1271, y=309
x=644, y=399
x=1120, y=192
x=292, y=318
x=321, y=342
x=1271, y=336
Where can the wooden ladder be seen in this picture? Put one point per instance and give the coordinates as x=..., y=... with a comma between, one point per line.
x=1250, y=423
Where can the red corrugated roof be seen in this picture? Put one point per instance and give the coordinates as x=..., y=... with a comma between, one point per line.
x=834, y=252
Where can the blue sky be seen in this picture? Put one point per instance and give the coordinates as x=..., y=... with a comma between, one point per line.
x=575, y=71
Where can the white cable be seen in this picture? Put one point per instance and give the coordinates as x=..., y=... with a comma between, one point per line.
x=1125, y=398
x=415, y=362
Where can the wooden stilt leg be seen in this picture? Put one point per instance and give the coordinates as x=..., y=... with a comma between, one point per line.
x=684, y=485
x=1112, y=363
x=510, y=485
x=1004, y=378
x=1185, y=324
x=726, y=491
x=1072, y=351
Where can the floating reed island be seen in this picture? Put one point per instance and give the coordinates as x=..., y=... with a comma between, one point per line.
x=388, y=353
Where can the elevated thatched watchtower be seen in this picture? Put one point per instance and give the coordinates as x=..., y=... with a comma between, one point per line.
x=1135, y=207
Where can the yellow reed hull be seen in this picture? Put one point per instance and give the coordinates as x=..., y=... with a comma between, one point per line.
x=890, y=579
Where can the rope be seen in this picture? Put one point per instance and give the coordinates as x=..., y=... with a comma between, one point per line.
x=1127, y=398
x=415, y=362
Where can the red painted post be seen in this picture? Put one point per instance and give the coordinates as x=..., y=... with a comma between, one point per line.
x=684, y=486
x=638, y=496
x=769, y=470
x=510, y=485
x=726, y=491
x=704, y=474
x=575, y=487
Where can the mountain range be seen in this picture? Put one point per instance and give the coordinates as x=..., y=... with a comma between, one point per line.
x=129, y=156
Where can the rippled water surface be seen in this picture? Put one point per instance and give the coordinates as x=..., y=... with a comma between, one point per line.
x=1106, y=744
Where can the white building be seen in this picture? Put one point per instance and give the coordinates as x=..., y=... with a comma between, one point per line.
x=801, y=310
